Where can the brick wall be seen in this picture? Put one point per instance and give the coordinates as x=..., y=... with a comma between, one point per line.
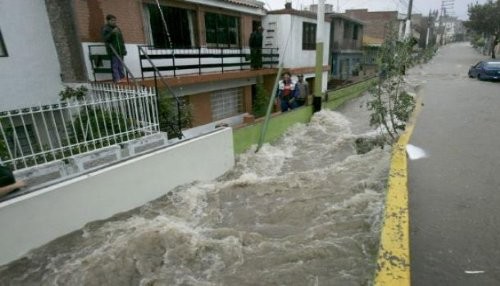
x=202, y=108
x=375, y=22
x=90, y=17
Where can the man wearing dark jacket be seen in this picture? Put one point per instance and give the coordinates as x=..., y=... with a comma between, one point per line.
x=115, y=47
x=256, y=48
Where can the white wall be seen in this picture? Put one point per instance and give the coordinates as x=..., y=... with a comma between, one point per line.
x=288, y=38
x=34, y=219
x=131, y=60
x=30, y=75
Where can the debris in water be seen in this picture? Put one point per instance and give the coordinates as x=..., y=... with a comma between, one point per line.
x=474, y=271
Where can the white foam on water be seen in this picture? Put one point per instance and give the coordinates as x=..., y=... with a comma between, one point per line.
x=304, y=209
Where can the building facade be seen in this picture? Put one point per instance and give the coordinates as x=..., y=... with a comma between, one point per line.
x=294, y=32
x=29, y=67
x=346, y=52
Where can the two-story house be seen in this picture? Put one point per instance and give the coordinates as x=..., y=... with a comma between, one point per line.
x=376, y=28
x=346, y=52
x=199, y=48
x=294, y=32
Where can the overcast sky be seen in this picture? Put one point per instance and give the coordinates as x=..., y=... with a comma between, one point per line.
x=419, y=6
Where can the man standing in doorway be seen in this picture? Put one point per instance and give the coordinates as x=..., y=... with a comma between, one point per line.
x=256, y=48
x=115, y=47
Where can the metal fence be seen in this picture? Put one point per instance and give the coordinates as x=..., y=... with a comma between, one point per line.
x=105, y=115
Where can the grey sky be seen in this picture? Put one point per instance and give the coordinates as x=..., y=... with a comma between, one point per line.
x=419, y=6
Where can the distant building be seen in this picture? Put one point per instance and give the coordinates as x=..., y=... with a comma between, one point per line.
x=377, y=23
x=346, y=54
x=328, y=8
x=294, y=32
x=450, y=29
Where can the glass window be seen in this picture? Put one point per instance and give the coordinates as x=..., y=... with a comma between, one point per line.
x=355, y=32
x=222, y=30
x=3, y=49
x=226, y=103
x=180, y=24
x=308, y=36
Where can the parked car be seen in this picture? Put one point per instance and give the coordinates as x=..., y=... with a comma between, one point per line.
x=487, y=69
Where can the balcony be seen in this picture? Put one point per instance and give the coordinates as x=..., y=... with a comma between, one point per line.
x=346, y=44
x=187, y=62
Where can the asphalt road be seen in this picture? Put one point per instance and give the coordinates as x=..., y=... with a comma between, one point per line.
x=455, y=191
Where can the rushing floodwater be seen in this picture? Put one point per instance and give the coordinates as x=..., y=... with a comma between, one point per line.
x=303, y=211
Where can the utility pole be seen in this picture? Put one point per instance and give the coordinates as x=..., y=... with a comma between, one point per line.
x=318, y=93
x=429, y=22
x=446, y=10
x=408, y=21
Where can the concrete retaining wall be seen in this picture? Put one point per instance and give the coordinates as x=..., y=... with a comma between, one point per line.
x=29, y=221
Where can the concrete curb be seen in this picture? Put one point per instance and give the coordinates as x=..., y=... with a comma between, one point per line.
x=393, y=261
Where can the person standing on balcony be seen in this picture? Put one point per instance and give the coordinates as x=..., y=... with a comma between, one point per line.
x=256, y=48
x=302, y=90
x=287, y=93
x=115, y=47
x=8, y=183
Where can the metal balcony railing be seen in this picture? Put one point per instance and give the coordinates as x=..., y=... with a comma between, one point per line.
x=175, y=62
x=346, y=44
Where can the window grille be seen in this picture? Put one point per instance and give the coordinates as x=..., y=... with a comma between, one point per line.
x=226, y=103
x=308, y=36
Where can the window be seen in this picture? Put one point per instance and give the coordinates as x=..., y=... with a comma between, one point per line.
x=308, y=36
x=222, y=30
x=3, y=49
x=347, y=30
x=180, y=25
x=226, y=103
x=355, y=32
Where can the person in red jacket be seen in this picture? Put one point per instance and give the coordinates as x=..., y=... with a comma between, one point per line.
x=287, y=93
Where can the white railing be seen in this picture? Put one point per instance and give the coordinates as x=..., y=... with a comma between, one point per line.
x=107, y=115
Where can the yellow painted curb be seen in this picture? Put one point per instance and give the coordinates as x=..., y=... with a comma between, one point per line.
x=393, y=261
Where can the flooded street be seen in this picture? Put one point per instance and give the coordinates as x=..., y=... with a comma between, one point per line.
x=305, y=210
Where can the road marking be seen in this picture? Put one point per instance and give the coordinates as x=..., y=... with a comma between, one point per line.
x=393, y=261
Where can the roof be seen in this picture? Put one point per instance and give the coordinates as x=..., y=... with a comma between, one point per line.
x=302, y=13
x=249, y=3
x=372, y=41
x=345, y=17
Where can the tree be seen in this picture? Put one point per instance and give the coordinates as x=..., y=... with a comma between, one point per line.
x=485, y=18
x=261, y=100
x=390, y=105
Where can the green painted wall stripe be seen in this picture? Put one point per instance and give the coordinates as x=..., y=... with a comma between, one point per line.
x=247, y=136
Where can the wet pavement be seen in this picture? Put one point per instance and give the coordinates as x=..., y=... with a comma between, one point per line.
x=455, y=189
